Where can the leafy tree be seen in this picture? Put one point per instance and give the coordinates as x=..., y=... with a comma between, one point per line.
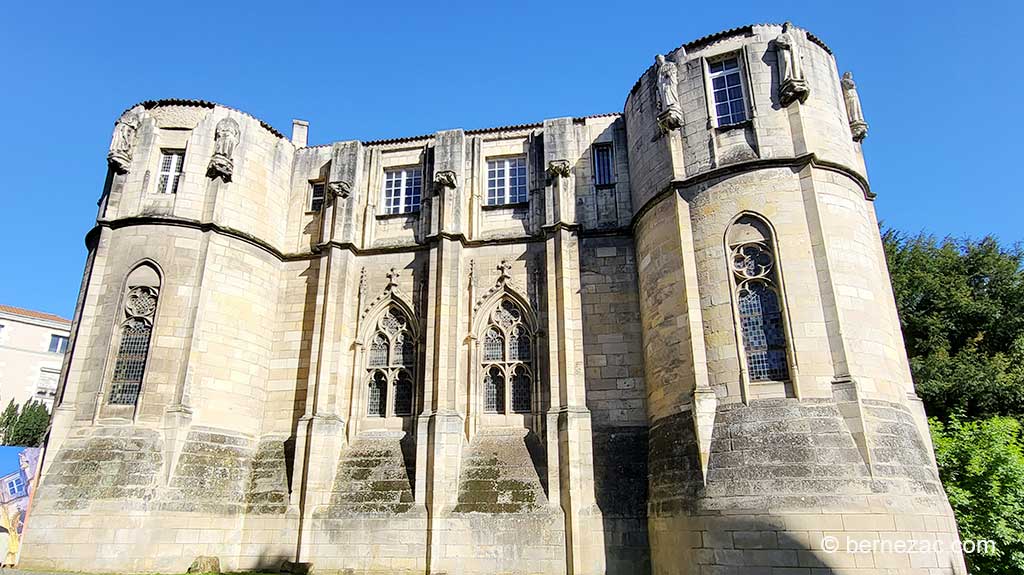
x=7, y=419
x=961, y=305
x=981, y=464
x=30, y=428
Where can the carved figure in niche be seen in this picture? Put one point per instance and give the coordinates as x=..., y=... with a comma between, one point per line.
x=670, y=115
x=123, y=141
x=792, y=84
x=225, y=139
x=858, y=127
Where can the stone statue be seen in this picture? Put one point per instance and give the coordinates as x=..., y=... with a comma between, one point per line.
x=123, y=141
x=792, y=84
x=858, y=127
x=225, y=139
x=670, y=114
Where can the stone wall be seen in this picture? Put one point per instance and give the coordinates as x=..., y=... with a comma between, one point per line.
x=645, y=447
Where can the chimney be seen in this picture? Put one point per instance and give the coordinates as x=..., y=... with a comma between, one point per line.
x=300, y=129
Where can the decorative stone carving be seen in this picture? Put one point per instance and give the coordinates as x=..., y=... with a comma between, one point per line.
x=140, y=302
x=792, y=84
x=670, y=115
x=341, y=189
x=122, y=143
x=559, y=169
x=858, y=127
x=225, y=139
x=445, y=179
x=503, y=271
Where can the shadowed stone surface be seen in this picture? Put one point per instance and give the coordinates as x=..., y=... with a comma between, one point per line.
x=114, y=464
x=373, y=477
x=499, y=477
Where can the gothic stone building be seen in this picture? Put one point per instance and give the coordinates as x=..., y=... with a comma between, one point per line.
x=656, y=341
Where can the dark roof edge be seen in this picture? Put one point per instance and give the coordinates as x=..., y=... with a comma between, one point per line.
x=150, y=104
x=748, y=29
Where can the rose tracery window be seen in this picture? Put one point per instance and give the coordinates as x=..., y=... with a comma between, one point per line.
x=760, y=311
x=390, y=367
x=507, y=361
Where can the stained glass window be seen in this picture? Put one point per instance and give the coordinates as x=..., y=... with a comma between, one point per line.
x=494, y=391
x=392, y=361
x=130, y=364
x=403, y=393
x=507, y=356
x=377, y=401
x=379, y=351
x=760, y=311
x=494, y=346
x=520, y=390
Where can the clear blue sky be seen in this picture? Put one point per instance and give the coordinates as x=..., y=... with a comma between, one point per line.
x=940, y=83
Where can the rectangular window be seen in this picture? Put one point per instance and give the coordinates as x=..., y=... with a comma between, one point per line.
x=506, y=181
x=402, y=190
x=171, y=162
x=729, y=91
x=316, y=196
x=603, y=174
x=58, y=344
x=15, y=487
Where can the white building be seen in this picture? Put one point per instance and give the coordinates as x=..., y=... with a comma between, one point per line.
x=32, y=346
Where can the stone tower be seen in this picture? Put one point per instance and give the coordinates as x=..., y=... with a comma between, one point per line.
x=657, y=341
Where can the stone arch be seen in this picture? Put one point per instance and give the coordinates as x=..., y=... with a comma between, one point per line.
x=763, y=336
x=131, y=341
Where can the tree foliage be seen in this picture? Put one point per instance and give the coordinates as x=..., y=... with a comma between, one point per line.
x=25, y=427
x=961, y=305
x=982, y=468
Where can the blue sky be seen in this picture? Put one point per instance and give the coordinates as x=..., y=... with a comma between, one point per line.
x=940, y=83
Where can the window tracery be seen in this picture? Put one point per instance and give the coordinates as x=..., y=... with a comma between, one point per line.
x=391, y=367
x=758, y=302
x=507, y=361
x=136, y=331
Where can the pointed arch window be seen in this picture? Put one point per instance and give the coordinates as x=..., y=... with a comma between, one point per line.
x=135, y=334
x=391, y=367
x=508, y=361
x=758, y=300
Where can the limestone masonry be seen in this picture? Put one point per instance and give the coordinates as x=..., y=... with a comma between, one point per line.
x=661, y=341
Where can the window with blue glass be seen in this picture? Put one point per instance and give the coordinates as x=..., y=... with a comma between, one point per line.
x=728, y=90
x=760, y=312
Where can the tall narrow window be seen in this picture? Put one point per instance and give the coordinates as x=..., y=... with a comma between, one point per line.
x=603, y=174
x=317, y=193
x=506, y=181
x=171, y=162
x=758, y=300
x=136, y=331
x=728, y=90
x=507, y=358
x=377, y=399
x=403, y=188
x=391, y=365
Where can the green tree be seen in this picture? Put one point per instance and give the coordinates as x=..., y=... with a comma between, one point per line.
x=29, y=430
x=961, y=305
x=981, y=464
x=7, y=420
